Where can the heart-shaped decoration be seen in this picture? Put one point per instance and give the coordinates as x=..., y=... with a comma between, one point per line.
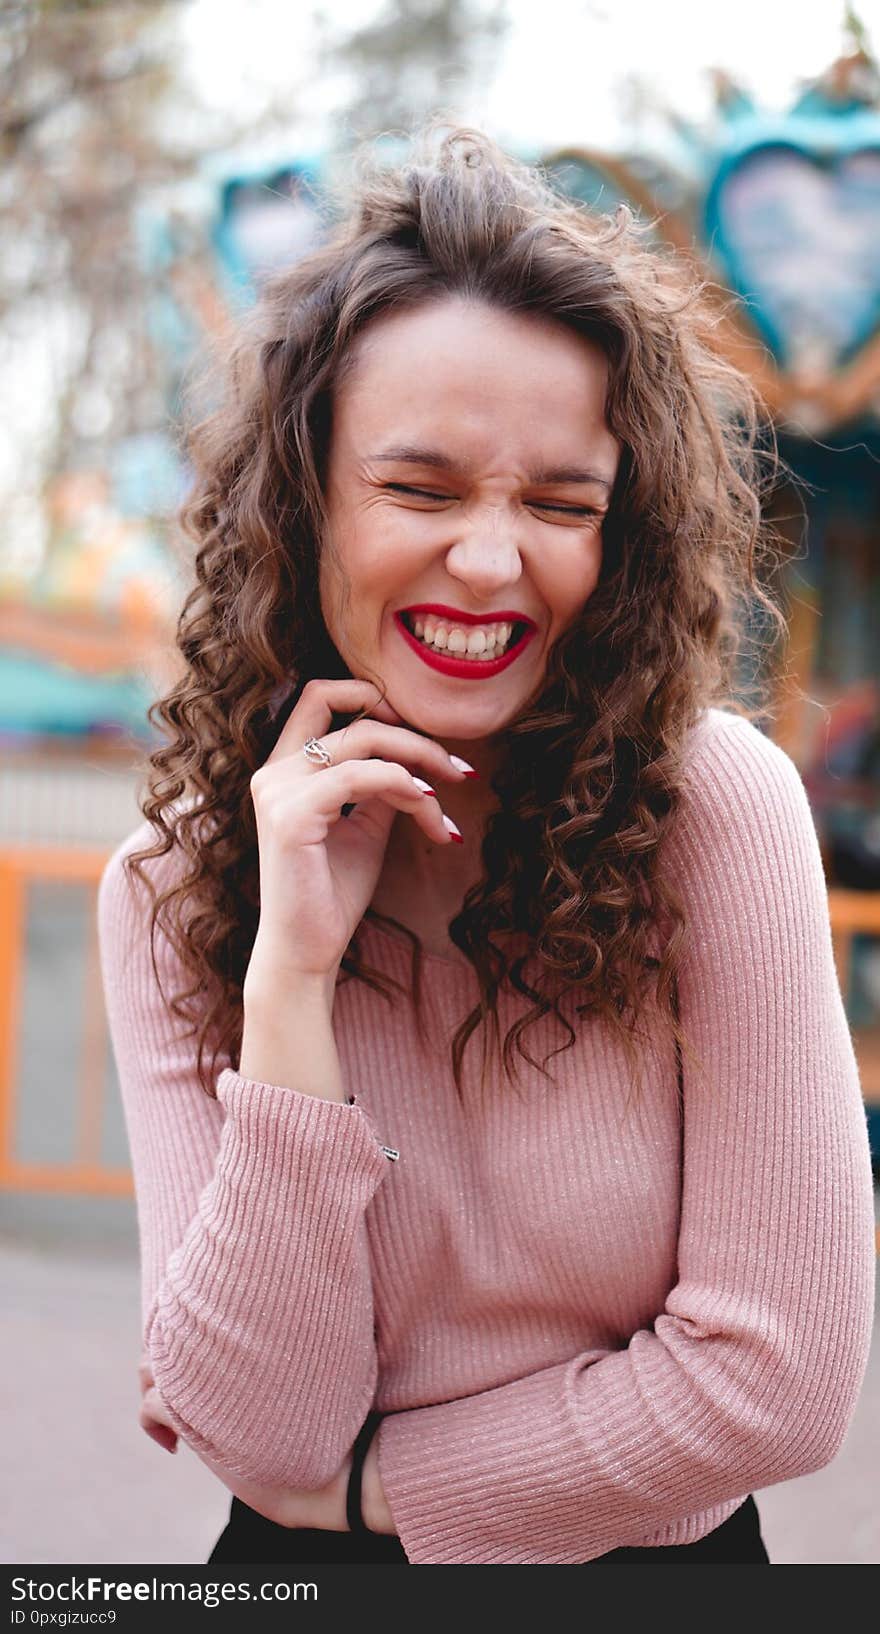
x=794, y=219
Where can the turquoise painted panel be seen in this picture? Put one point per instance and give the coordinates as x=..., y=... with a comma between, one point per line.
x=36, y=696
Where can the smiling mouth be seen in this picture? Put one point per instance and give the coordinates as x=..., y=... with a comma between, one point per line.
x=446, y=639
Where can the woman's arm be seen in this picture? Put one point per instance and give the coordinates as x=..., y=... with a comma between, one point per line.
x=751, y=1373
x=257, y=1297
x=324, y=1508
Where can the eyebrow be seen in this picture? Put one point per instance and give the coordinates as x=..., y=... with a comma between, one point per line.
x=409, y=454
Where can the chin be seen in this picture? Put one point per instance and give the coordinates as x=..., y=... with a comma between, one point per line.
x=461, y=721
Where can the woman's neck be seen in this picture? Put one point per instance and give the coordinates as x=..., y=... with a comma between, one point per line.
x=423, y=881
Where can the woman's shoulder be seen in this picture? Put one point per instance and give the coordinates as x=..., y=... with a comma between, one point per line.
x=740, y=788
x=128, y=934
x=717, y=725
x=121, y=887
x=731, y=748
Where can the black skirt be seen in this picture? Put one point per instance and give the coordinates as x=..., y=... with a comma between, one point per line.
x=249, y=1539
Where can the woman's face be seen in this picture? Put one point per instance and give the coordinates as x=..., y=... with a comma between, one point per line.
x=469, y=471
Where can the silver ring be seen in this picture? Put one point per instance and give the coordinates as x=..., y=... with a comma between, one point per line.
x=316, y=753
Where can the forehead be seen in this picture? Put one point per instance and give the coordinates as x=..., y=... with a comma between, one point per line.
x=488, y=380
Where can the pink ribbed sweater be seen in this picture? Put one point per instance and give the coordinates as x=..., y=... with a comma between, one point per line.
x=587, y=1326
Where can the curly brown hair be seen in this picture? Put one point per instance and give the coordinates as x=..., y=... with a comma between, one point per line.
x=592, y=772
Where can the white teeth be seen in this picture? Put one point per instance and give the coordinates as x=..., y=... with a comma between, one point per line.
x=479, y=643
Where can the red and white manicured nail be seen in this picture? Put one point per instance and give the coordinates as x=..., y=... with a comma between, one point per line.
x=454, y=833
x=462, y=766
x=425, y=787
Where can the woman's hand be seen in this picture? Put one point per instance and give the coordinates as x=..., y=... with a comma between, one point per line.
x=153, y=1417
x=317, y=873
x=322, y=1508
x=374, y=1504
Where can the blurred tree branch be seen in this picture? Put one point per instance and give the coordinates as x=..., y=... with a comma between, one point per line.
x=98, y=124
x=82, y=138
x=12, y=130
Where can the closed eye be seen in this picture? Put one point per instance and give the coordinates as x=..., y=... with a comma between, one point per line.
x=420, y=493
x=538, y=504
x=567, y=510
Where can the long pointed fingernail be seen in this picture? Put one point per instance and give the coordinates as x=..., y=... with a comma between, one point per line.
x=455, y=833
x=462, y=766
x=425, y=787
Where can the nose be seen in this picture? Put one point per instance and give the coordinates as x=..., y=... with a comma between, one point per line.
x=485, y=558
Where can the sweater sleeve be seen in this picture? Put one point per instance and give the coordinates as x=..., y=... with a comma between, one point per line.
x=257, y=1297
x=751, y=1372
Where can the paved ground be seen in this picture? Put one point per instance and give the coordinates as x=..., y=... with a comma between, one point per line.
x=86, y=1486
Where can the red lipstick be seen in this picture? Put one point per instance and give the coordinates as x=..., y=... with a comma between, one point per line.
x=453, y=615
x=466, y=669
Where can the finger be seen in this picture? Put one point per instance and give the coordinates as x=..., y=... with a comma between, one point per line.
x=357, y=781
x=320, y=701
x=160, y=1434
x=153, y=1419
x=367, y=739
x=153, y=1407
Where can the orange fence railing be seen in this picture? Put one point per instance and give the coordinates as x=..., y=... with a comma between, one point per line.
x=20, y=867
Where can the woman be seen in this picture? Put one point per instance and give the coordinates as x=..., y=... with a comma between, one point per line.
x=455, y=847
